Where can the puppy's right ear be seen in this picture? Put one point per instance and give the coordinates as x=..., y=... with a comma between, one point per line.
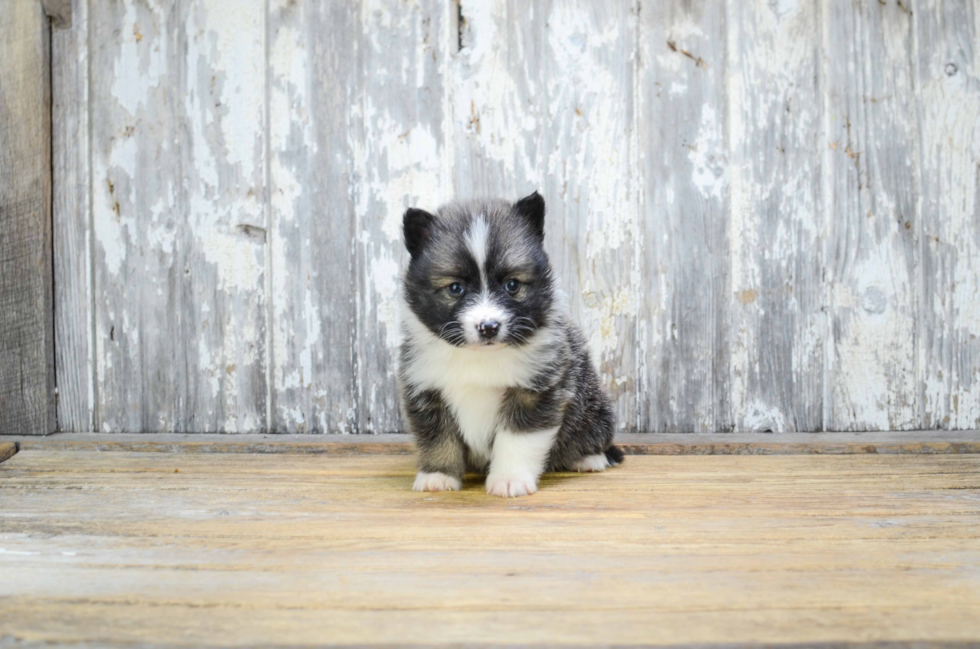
x=417, y=227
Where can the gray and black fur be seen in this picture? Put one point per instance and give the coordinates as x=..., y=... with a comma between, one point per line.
x=515, y=281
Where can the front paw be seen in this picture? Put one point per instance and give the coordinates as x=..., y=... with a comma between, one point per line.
x=509, y=486
x=435, y=482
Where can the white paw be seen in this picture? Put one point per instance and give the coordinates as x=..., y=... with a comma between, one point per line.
x=435, y=482
x=591, y=463
x=509, y=486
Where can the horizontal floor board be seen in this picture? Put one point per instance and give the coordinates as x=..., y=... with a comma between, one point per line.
x=134, y=548
x=915, y=442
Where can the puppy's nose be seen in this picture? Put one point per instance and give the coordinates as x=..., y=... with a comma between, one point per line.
x=488, y=329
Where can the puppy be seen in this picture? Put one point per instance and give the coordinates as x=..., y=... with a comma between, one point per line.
x=494, y=375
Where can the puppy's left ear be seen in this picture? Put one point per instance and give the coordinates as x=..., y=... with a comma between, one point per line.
x=532, y=209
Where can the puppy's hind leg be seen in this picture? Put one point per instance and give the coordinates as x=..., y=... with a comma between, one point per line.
x=615, y=455
x=591, y=463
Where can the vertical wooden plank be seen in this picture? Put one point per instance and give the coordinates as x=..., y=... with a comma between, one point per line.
x=223, y=188
x=683, y=341
x=399, y=114
x=777, y=216
x=178, y=179
x=72, y=225
x=543, y=98
x=873, y=177
x=496, y=107
x=587, y=163
x=136, y=217
x=948, y=34
x=27, y=389
x=312, y=70
x=365, y=87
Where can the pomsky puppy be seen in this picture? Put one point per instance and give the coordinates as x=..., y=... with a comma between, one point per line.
x=494, y=376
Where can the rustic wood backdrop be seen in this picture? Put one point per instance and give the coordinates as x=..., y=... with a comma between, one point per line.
x=767, y=212
x=27, y=385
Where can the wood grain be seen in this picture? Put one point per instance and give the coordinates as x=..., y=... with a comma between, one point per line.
x=683, y=340
x=73, y=290
x=775, y=116
x=357, y=122
x=892, y=443
x=764, y=214
x=231, y=550
x=223, y=149
x=948, y=35
x=178, y=213
x=27, y=389
x=872, y=261
x=542, y=98
x=313, y=274
x=399, y=145
x=138, y=266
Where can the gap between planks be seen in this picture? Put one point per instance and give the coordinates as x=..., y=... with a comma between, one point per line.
x=890, y=443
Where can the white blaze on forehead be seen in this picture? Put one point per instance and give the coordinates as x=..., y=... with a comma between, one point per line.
x=477, y=239
x=483, y=309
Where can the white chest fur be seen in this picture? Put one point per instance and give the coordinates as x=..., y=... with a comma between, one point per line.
x=473, y=385
x=473, y=381
x=476, y=409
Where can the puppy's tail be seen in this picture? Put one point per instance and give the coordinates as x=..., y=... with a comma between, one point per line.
x=615, y=455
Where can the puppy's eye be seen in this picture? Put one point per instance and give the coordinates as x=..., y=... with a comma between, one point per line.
x=456, y=289
x=512, y=286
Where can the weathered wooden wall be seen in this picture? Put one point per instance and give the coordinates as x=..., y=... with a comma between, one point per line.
x=27, y=387
x=767, y=213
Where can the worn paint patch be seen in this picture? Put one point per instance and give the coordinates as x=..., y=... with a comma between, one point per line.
x=728, y=266
x=949, y=110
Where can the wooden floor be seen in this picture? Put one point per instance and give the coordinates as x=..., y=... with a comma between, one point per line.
x=131, y=548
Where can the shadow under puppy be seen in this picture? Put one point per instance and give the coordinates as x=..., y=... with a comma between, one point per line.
x=494, y=375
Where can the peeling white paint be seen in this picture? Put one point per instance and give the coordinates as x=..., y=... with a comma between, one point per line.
x=139, y=66
x=707, y=155
x=236, y=259
x=775, y=227
x=207, y=364
x=486, y=97
x=588, y=108
x=760, y=416
x=949, y=108
x=291, y=321
x=814, y=291
x=384, y=273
